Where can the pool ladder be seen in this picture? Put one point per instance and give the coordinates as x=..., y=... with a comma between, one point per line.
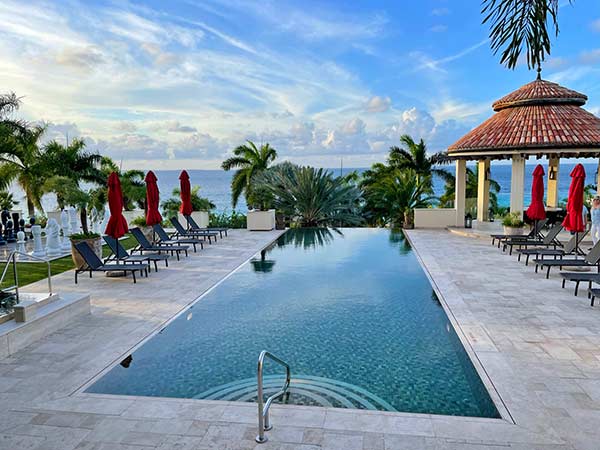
x=264, y=424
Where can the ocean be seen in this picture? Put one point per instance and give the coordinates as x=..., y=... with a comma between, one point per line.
x=215, y=184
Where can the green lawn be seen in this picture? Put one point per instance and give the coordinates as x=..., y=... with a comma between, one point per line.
x=32, y=272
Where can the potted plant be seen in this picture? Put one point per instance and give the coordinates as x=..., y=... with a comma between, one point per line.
x=140, y=222
x=261, y=217
x=513, y=224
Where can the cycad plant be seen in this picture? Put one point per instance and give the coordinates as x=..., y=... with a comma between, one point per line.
x=250, y=161
x=313, y=197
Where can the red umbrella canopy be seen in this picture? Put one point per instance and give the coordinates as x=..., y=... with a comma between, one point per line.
x=574, y=219
x=536, y=210
x=152, y=198
x=186, y=194
x=117, y=225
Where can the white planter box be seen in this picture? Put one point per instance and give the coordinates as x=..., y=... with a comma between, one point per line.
x=130, y=215
x=260, y=220
x=512, y=231
x=201, y=218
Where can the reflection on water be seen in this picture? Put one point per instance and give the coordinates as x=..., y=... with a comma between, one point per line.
x=262, y=264
x=309, y=237
x=398, y=239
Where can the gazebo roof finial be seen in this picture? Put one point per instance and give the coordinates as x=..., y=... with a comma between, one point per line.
x=539, y=71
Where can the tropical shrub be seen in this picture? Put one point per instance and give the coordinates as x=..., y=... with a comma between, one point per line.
x=233, y=219
x=312, y=197
x=139, y=221
x=513, y=220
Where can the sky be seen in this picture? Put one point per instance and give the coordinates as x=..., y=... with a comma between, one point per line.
x=179, y=84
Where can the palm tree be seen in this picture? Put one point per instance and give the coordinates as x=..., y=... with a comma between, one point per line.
x=74, y=163
x=472, y=182
x=28, y=164
x=395, y=196
x=518, y=23
x=133, y=185
x=250, y=161
x=413, y=156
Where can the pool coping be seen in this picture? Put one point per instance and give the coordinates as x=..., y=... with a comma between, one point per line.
x=505, y=416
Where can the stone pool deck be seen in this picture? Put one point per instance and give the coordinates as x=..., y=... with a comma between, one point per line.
x=537, y=347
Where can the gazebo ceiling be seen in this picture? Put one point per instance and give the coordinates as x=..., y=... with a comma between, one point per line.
x=540, y=118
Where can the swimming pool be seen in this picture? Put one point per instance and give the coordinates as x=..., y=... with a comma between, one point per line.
x=353, y=314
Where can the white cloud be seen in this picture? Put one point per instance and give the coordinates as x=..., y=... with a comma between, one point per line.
x=596, y=25
x=438, y=28
x=378, y=104
x=440, y=12
x=176, y=127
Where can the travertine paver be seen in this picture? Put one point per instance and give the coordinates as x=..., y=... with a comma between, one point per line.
x=539, y=345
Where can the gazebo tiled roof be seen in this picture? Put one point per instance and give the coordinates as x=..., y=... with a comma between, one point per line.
x=539, y=118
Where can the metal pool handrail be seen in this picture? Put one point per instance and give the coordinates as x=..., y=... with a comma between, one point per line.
x=12, y=258
x=264, y=423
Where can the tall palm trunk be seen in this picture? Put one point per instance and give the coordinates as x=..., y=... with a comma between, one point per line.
x=30, y=207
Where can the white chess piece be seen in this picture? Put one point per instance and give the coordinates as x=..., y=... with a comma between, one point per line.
x=20, y=243
x=52, y=238
x=105, y=221
x=38, y=248
x=64, y=222
x=73, y=220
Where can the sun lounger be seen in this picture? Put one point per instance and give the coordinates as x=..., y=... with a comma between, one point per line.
x=549, y=240
x=95, y=264
x=146, y=246
x=164, y=238
x=592, y=294
x=555, y=253
x=180, y=231
x=193, y=225
x=592, y=259
x=120, y=254
x=535, y=231
x=580, y=277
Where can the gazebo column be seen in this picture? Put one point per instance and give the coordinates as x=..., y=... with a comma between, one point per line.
x=483, y=190
x=460, y=191
x=517, y=184
x=552, y=195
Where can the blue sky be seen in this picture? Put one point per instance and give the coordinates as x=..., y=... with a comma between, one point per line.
x=180, y=83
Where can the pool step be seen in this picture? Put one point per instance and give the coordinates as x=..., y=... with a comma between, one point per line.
x=304, y=390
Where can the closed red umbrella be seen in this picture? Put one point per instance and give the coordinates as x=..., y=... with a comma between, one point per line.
x=117, y=225
x=186, y=194
x=536, y=210
x=152, y=198
x=574, y=219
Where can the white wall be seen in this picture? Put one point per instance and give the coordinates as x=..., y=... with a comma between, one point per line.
x=435, y=217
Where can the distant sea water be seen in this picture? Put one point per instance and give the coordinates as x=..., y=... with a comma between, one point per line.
x=216, y=184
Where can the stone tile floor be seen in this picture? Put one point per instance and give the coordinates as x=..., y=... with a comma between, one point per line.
x=538, y=347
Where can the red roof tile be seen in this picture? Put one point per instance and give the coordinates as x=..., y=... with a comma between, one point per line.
x=540, y=115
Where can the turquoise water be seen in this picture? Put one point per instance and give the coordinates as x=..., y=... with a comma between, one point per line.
x=353, y=314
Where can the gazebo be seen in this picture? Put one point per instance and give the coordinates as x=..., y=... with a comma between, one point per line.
x=540, y=119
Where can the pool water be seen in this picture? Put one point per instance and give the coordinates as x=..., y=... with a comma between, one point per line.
x=351, y=311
